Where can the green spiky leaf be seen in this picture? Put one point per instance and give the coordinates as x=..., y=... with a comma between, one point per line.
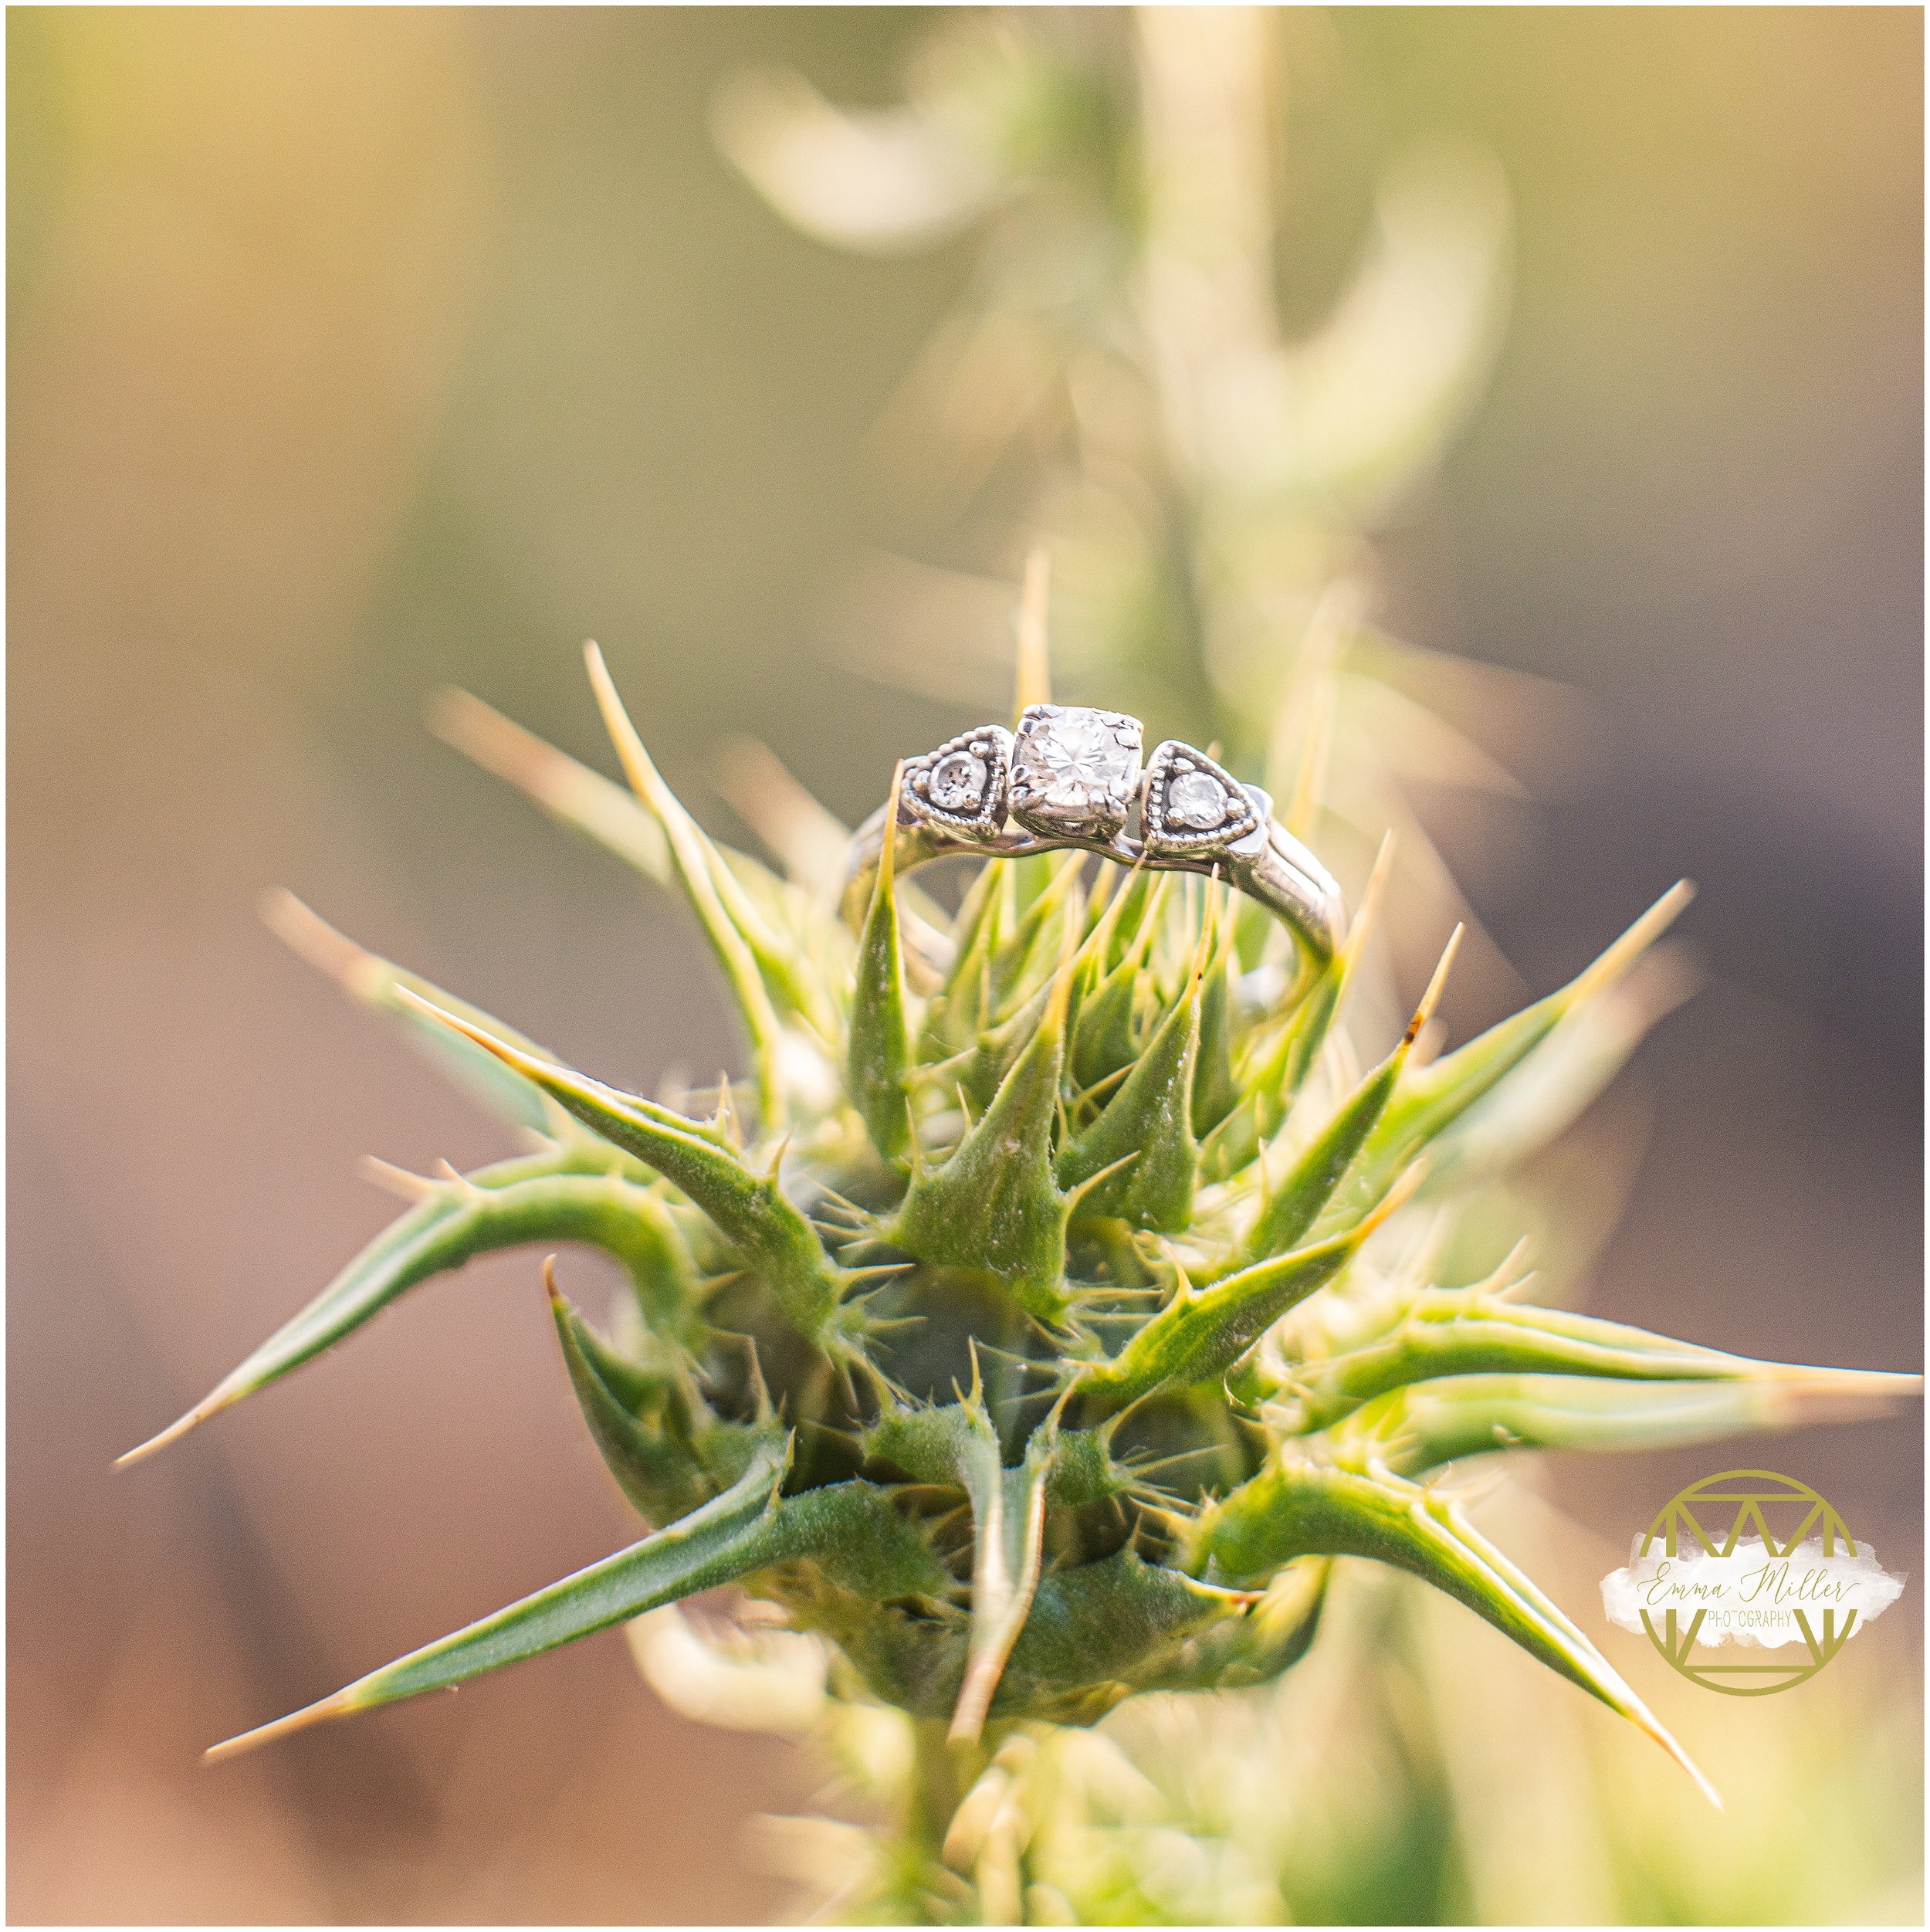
x=750, y=1210
x=1138, y=1161
x=734, y=1533
x=1216, y=1088
x=1296, y=1509
x=994, y=1204
x=667, y=1453
x=1202, y=1332
x=877, y=1056
x=1430, y=1099
x=1296, y=1205
x=1418, y=1428
x=549, y=1198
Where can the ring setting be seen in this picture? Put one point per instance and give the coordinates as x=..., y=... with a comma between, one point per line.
x=1192, y=804
x=963, y=786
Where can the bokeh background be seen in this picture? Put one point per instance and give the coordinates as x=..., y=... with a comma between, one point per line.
x=353, y=352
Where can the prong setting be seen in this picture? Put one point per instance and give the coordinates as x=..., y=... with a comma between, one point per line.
x=1075, y=771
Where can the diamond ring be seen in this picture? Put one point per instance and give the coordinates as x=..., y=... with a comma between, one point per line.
x=1074, y=777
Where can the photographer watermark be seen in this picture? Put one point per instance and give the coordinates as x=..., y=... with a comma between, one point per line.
x=1745, y=1562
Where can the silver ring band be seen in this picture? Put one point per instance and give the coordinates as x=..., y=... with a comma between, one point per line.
x=1070, y=780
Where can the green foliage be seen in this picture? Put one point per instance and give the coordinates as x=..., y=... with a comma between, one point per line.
x=1005, y=1407
x=1060, y=1310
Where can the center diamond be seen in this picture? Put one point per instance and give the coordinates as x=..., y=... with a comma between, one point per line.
x=1076, y=765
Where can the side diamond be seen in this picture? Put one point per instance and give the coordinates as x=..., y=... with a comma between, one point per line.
x=1192, y=807
x=962, y=785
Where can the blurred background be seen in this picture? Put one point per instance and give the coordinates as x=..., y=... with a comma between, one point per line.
x=354, y=352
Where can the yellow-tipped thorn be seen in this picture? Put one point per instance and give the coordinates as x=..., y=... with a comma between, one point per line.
x=1304, y=806
x=1505, y=1284
x=498, y=744
x=1820, y=1394
x=1431, y=999
x=562, y=786
x=1092, y=1181
x=527, y=1064
x=398, y=1180
x=176, y=1429
x=1051, y=1425
x=642, y=774
x=1183, y=1288
x=1370, y=896
x=1417, y=1265
x=1393, y=1200
x=1149, y=926
x=975, y=1694
x=306, y=932
x=340, y=1705
x=1855, y=1381
x=888, y=853
x=1295, y=736
x=1209, y=924
x=450, y=1176
x=972, y=1822
x=1094, y=944
x=1100, y=897
x=1032, y=683
x=1058, y=1001
x=715, y=896
x=1634, y=943
x=457, y=1024
x=1645, y=1720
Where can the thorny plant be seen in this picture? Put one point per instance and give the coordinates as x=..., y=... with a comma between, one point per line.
x=1049, y=1308
x=1065, y=1291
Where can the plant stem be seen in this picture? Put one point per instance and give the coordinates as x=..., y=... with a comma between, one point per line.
x=942, y=1773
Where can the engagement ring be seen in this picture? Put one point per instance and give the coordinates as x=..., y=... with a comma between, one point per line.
x=1072, y=777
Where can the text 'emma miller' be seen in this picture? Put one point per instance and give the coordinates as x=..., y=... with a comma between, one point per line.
x=1751, y=1595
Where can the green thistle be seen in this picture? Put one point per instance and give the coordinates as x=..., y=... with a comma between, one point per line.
x=1053, y=1305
